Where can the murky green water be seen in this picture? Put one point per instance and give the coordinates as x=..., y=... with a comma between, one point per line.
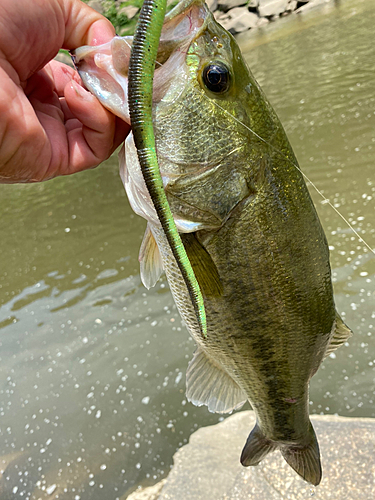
x=92, y=364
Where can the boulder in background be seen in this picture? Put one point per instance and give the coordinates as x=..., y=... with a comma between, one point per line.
x=209, y=467
x=269, y=8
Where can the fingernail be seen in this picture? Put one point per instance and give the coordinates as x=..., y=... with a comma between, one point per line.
x=81, y=92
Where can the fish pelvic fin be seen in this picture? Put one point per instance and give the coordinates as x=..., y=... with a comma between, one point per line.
x=256, y=448
x=150, y=260
x=305, y=460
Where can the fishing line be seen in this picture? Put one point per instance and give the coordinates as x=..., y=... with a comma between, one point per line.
x=325, y=199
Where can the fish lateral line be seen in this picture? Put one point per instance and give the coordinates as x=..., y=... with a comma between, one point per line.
x=141, y=74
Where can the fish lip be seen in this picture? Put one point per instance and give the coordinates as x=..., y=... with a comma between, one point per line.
x=81, y=53
x=178, y=28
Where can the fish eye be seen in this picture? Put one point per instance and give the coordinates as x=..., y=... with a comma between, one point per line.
x=216, y=77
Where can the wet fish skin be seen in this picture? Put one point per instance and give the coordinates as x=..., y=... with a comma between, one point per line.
x=251, y=232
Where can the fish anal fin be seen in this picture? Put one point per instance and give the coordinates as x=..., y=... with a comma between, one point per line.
x=204, y=267
x=208, y=384
x=339, y=337
x=305, y=460
x=150, y=260
x=256, y=448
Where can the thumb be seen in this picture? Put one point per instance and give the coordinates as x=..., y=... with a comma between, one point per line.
x=84, y=26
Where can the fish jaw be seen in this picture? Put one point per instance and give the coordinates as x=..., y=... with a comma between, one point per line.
x=104, y=71
x=104, y=68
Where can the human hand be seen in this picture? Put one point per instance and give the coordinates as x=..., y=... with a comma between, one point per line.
x=50, y=125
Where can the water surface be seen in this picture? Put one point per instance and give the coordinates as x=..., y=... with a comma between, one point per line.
x=93, y=365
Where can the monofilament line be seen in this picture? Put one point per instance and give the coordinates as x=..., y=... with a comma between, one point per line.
x=299, y=170
x=326, y=200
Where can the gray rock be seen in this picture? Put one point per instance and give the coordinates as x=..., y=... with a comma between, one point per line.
x=151, y=493
x=292, y=5
x=212, y=4
x=262, y=22
x=253, y=3
x=96, y=5
x=219, y=15
x=238, y=20
x=226, y=5
x=129, y=10
x=208, y=467
x=268, y=8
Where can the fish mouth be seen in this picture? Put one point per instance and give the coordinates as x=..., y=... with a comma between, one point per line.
x=179, y=23
x=104, y=68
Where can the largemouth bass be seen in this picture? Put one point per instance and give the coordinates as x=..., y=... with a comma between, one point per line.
x=248, y=225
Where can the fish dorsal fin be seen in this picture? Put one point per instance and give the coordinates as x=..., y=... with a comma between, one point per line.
x=150, y=260
x=340, y=336
x=207, y=384
x=204, y=267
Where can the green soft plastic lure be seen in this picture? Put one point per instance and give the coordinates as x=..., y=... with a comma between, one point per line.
x=141, y=73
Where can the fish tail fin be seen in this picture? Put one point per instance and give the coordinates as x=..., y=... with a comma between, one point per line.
x=305, y=460
x=256, y=448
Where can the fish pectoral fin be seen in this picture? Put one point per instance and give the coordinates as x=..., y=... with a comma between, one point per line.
x=150, y=260
x=340, y=336
x=122, y=163
x=208, y=384
x=204, y=267
x=305, y=460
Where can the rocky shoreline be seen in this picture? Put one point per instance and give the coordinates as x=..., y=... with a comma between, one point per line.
x=208, y=466
x=236, y=16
